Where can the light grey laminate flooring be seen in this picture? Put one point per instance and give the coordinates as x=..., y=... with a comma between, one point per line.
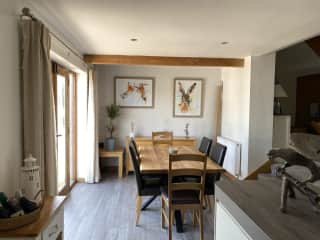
x=106, y=211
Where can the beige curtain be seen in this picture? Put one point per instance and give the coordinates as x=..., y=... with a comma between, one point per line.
x=38, y=101
x=93, y=166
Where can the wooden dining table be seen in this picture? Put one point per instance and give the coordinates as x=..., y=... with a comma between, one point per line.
x=155, y=160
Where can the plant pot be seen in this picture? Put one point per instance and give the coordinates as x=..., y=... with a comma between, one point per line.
x=109, y=144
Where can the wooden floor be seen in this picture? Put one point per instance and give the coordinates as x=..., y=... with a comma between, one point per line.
x=107, y=211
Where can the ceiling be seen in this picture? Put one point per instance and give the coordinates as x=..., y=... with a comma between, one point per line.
x=193, y=28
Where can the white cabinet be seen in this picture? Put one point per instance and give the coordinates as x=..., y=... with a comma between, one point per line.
x=226, y=227
x=55, y=228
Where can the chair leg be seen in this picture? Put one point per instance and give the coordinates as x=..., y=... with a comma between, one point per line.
x=204, y=202
x=138, y=208
x=201, y=223
x=173, y=218
x=162, y=214
x=194, y=217
x=170, y=223
x=209, y=202
x=182, y=216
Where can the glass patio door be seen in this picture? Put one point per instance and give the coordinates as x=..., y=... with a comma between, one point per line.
x=65, y=85
x=72, y=129
x=61, y=132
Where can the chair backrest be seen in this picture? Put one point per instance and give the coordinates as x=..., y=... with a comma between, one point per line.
x=175, y=171
x=205, y=145
x=134, y=144
x=163, y=137
x=136, y=166
x=217, y=154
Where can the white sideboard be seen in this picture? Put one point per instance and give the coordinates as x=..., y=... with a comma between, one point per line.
x=226, y=227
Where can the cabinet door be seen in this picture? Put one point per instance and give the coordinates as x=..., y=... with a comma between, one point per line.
x=55, y=228
x=226, y=227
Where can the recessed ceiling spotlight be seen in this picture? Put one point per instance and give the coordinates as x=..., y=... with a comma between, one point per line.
x=224, y=43
x=134, y=39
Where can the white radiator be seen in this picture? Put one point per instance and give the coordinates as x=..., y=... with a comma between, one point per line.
x=232, y=161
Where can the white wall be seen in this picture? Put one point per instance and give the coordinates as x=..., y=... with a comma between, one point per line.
x=291, y=63
x=235, y=108
x=10, y=107
x=160, y=117
x=247, y=109
x=261, y=109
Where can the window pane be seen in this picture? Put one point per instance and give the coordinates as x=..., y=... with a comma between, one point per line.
x=61, y=131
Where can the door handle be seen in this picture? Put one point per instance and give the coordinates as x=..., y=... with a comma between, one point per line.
x=59, y=135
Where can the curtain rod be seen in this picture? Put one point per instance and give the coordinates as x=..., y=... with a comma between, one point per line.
x=26, y=13
x=74, y=52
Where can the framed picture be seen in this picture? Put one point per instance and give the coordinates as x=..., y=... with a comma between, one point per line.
x=135, y=92
x=187, y=95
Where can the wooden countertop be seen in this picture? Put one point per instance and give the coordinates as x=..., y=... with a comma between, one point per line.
x=50, y=208
x=260, y=201
x=148, y=138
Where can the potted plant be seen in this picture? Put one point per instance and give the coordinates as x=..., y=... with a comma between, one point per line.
x=113, y=111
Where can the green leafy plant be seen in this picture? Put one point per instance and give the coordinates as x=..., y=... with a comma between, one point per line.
x=113, y=111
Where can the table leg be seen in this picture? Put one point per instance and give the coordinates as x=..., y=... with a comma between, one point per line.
x=127, y=157
x=147, y=203
x=178, y=217
x=120, y=167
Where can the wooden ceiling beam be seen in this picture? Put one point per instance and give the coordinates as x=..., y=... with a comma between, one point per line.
x=164, y=61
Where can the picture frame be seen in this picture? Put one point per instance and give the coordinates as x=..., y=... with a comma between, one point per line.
x=134, y=92
x=188, y=97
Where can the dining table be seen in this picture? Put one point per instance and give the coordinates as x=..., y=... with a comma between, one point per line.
x=154, y=159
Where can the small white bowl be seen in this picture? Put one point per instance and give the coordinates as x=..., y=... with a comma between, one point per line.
x=173, y=150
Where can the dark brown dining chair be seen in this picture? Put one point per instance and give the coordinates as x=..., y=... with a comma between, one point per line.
x=134, y=144
x=147, y=184
x=162, y=137
x=217, y=154
x=182, y=195
x=205, y=145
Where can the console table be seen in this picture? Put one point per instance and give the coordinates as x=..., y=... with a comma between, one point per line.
x=49, y=226
x=117, y=153
x=142, y=141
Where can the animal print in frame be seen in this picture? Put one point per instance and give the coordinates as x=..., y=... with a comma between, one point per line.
x=187, y=100
x=134, y=92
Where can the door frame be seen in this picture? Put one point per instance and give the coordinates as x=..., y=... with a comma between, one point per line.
x=60, y=70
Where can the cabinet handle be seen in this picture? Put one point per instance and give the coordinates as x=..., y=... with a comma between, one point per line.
x=54, y=231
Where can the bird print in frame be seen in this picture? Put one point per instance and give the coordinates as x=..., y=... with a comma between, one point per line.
x=134, y=92
x=188, y=97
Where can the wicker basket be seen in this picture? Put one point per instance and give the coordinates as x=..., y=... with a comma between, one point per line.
x=16, y=222
x=7, y=224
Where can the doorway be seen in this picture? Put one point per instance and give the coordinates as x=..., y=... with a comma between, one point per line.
x=307, y=100
x=65, y=83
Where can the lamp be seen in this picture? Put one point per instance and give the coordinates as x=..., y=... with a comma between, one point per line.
x=279, y=92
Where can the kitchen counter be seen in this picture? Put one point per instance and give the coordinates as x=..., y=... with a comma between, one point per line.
x=252, y=209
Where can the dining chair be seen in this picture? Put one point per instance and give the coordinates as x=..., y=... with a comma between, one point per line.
x=134, y=144
x=182, y=195
x=162, y=137
x=205, y=145
x=147, y=185
x=217, y=154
